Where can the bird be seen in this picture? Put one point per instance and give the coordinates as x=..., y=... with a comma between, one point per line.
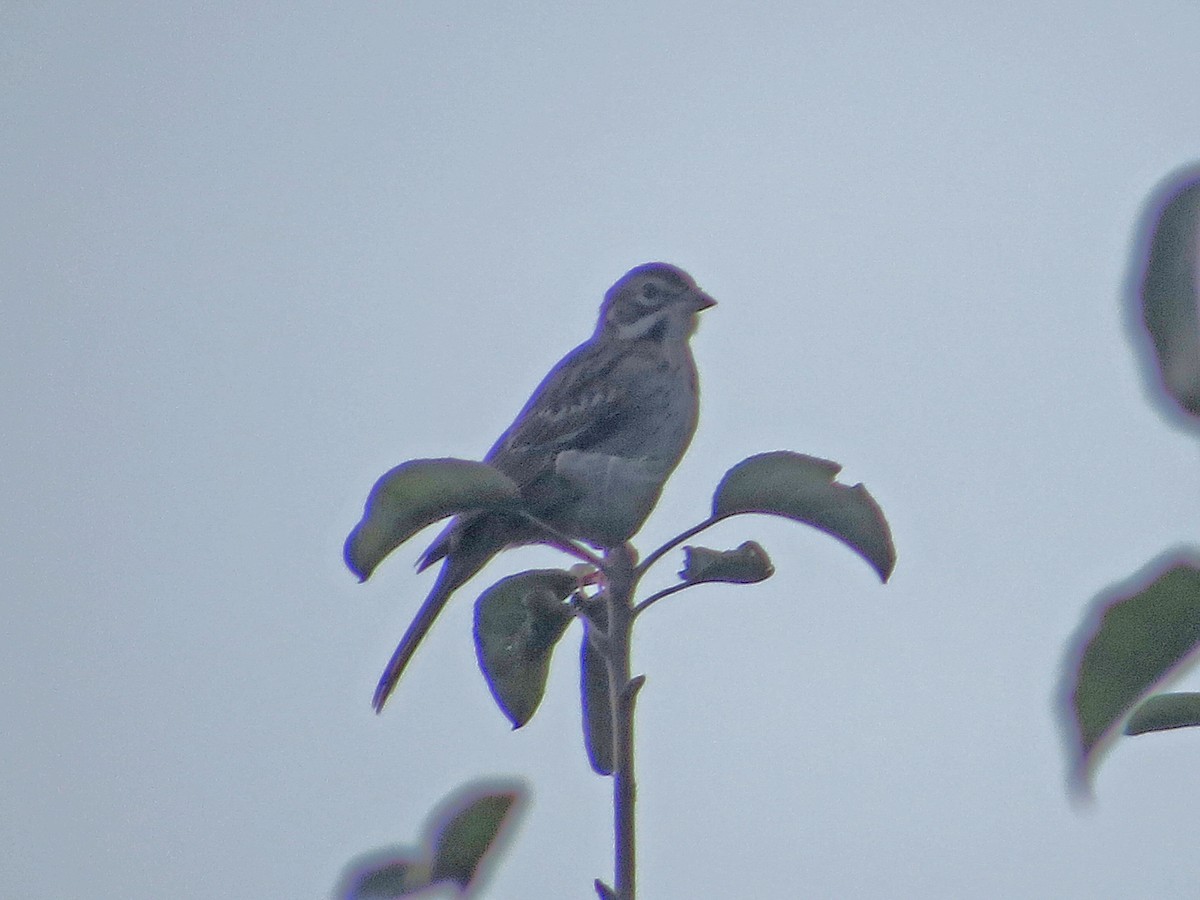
x=593, y=446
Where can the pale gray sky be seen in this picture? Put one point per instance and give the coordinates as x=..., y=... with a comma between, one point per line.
x=254, y=255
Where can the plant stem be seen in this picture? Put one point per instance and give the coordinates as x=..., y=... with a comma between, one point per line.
x=561, y=541
x=665, y=592
x=677, y=540
x=622, y=577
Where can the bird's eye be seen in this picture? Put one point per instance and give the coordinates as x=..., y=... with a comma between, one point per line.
x=649, y=291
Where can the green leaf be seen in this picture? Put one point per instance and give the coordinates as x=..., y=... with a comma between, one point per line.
x=803, y=488
x=1138, y=634
x=1169, y=289
x=416, y=494
x=518, y=621
x=747, y=564
x=456, y=839
x=383, y=876
x=460, y=844
x=1165, y=711
x=597, y=708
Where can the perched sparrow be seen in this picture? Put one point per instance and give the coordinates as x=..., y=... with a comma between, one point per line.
x=594, y=445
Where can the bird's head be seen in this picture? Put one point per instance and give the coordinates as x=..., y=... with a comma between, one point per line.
x=655, y=301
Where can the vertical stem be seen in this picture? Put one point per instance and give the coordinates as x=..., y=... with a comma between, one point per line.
x=619, y=569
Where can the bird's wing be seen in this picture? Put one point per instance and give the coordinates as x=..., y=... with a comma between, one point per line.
x=581, y=402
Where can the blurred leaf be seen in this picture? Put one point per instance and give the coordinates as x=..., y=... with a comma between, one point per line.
x=518, y=621
x=746, y=564
x=802, y=488
x=461, y=843
x=1169, y=290
x=1137, y=635
x=1165, y=711
x=384, y=875
x=457, y=837
x=597, y=707
x=416, y=494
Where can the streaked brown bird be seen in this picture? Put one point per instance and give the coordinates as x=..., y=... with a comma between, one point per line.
x=593, y=446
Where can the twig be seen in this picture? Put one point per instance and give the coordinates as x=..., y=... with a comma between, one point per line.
x=665, y=592
x=561, y=541
x=675, y=542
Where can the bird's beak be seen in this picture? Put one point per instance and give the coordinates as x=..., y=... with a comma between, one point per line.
x=701, y=300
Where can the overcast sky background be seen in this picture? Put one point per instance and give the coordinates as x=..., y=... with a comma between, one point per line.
x=254, y=255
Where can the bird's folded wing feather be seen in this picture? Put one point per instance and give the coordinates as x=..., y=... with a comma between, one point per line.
x=580, y=403
x=577, y=404
x=583, y=401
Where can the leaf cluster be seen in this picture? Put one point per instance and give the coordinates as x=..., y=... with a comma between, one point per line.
x=519, y=620
x=1146, y=630
x=459, y=836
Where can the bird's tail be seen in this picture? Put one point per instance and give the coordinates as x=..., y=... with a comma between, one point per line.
x=456, y=570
